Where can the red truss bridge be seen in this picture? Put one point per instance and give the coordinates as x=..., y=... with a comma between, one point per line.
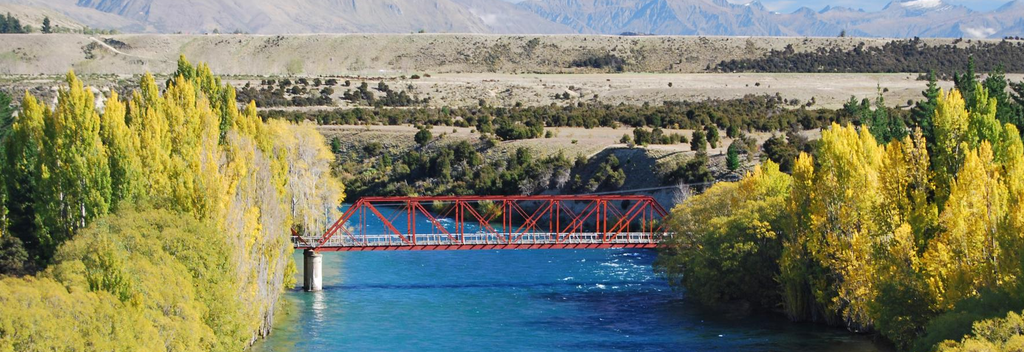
x=493, y=222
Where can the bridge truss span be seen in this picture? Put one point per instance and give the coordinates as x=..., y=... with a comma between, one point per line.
x=493, y=222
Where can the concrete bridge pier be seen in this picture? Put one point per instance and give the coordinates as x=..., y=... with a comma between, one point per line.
x=312, y=271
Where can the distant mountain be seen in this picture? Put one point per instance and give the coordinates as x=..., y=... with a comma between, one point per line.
x=925, y=18
x=900, y=18
x=712, y=17
x=304, y=16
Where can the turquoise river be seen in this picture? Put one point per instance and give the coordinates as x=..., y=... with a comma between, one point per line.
x=526, y=300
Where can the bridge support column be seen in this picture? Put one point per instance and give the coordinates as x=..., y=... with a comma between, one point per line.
x=312, y=271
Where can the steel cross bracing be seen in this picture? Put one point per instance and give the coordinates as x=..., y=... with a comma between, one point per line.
x=520, y=222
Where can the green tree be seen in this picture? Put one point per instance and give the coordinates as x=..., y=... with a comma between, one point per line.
x=779, y=150
x=712, y=135
x=924, y=110
x=693, y=171
x=423, y=136
x=335, y=145
x=641, y=136
x=967, y=82
x=46, y=26
x=883, y=127
x=698, y=141
x=6, y=114
x=21, y=148
x=732, y=159
x=10, y=24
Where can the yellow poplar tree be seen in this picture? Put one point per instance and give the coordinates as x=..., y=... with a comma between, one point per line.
x=122, y=147
x=982, y=124
x=804, y=285
x=75, y=184
x=904, y=187
x=951, y=125
x=846, y=187
x=1010, y=155
x=965, y=256
x=148, y=122
x=905, y=221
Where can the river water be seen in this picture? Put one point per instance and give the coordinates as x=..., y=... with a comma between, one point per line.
x=527, y=300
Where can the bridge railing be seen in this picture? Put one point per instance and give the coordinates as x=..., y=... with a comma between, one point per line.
x=381, y=240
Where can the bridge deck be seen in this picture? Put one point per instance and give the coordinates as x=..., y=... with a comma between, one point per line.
x=482, y=241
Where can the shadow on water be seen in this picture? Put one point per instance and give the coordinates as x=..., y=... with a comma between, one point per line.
x=659, y=320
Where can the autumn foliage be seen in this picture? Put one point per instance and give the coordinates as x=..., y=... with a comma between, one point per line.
x=164, y=216
x=898, y=238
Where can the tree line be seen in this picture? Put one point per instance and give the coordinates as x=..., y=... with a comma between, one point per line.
x=915, y=235
x=11, y=24
x=902, y=55
x=454, y=168
x=609, y=61
x=164, y=215
x=272, y=93
x=750, y=113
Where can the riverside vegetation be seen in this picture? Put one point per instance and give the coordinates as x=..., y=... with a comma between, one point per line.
x=158, y=222
x=911, y=231
x=166, y=214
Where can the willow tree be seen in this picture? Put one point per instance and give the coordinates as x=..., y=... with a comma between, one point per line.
x=188, y=150
x=313, y=195
x=727, y=242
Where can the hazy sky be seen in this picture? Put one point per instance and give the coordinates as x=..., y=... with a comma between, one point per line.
x=869, y=5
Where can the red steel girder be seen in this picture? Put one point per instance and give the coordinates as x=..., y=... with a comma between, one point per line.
x=551, y=215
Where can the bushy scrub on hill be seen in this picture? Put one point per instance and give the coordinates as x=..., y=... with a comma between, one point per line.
x=896, y=56
x=457, y=168
x=606, y=61
x=750, y=113
x=201, y=272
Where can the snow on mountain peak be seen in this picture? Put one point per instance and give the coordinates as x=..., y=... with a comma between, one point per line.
x=922, y=4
